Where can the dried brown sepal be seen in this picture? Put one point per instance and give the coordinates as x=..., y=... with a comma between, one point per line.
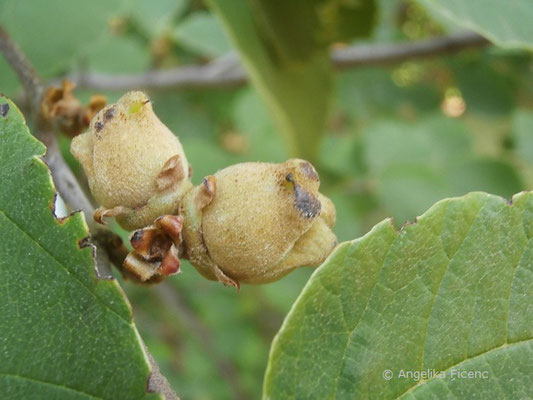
x=206, y=193
x=156, y=249
x=100, y=213
x=140, y=269
x=170, y=264
x=150, y=243
x=172, y=226
x=171, y=174
x=224, y=279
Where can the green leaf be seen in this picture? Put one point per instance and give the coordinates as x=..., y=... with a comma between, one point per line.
x=507, y=24
x=453, y=291
x=64, y=333
x=118, y=55
x=284, y=49
x=203, y=34
x=54, y=33
x=417, y=164
x=254, y=122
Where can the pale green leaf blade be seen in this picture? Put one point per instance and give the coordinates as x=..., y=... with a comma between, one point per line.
x=64, y=333
x=453, y=291
x=506, y=23
x=284, y=47
x=296, y=90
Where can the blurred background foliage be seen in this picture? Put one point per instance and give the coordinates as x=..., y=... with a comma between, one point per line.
x=397, y=139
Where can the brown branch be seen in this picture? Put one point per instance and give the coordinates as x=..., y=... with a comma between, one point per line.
x=63, y=177
x=30, y=80
x=227, y=70
x=158, y=382
x=385, y=54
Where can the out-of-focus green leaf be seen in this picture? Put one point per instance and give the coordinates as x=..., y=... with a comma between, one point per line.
x=339, y=153
x=64, y=333
x=284, y=48
x=523, y=134
x=370, y=93
x=183, y=116
x=387, y=19
x=508, y=24
x=298, y=27
x=483, y=87
x=453, y=292
x=348, y=224
x=206, y=158
x=434, y=141
x=405, y=191
x=416, y=164
x=484, y=175
x=154, y=17
x=203, y=34
x=254, y=122
x=118, y=55
x=54, y=33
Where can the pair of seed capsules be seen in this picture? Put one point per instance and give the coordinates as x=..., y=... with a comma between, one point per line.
x=248, y=223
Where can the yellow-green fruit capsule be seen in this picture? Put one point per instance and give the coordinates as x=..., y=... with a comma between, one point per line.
x=255, y=222
x=136, y=167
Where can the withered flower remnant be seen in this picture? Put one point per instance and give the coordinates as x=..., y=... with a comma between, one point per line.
x=63, y=110
x=248, y=223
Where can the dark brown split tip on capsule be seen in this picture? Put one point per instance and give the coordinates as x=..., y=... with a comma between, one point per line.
x=98, y=126
x=309, y=171
x=308, y=205
x=109, y=114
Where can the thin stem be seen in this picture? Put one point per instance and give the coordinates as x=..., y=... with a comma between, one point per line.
x=227, y=71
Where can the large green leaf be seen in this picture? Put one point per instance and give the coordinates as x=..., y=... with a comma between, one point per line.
x=418, y=163
x=283, y=45
x=453, y=291
x=64, y=333
x=506, y=23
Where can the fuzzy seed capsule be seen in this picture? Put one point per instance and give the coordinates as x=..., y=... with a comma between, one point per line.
x=135, y=165
x=257, y=222
x=248, y=223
